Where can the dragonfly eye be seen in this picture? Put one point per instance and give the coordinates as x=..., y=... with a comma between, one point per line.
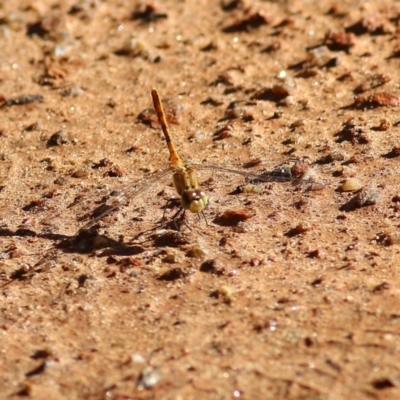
x=194, y=200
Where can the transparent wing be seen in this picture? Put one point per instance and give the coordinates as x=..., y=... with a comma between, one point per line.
x=256, y=171
x=125, y=196
x=267, y=171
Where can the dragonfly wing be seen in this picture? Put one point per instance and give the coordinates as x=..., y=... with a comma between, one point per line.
x=121, y=200
x=299, y=174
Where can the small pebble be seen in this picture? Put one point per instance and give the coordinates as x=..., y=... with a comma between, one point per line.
x=138, y=47
x=392, y=239
x=224, y=293
x=298, y=123
x=224, y=132
x=61, y=181
x=384, y=125
x=115, y=172
x=36, y=126
x=81, y=173
x=319, y=56
x=301, y=171
x=284, y=88
x=315, y=253
x=366, y=197
x=395, y=152
x=340, y=41
x=171, y=258
x=380, y=99
x=302, y=228
x=137, y=358
x=58, y=139
x=233, y=217
x=73, y=91
x=176, y=274
x=212, y=267
x=61, y=50
x=196, y=252
x=288, y=101
x=250, y=188
x=351, y=185
x=47, y=221
x=148, y=378
x=396, y=198
x=336, y=155
x=277, y=114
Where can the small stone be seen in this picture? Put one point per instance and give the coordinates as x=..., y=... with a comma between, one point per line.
x=148, y=378
x=395, y=152
x=396, y=198
x=73, y=91
x=115, y=172
x=176, y=274
x=381, y=287
x=233, y=217
x=315, y=253
x=36, y=126
x=297, y=123
x=336, y=155
x=366, y=197
x=380, y=99
x=137, y=358
x=58, y=139
x=250, y=188
x=212, y=267
x=300, y=170
x=319, y=56
x=340, y=41
x=351, y=185
x=171, y=258
x=224, y=132
x=284, y=88
x=61, y=180
x=47, y=221
x=80, y=173
x=196, y=252
x=384, y=125
x=392, y=239
x=224, y=293
x=302, y=228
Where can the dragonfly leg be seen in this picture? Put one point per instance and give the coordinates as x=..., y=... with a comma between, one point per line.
x=170, y=204
x=204, y=216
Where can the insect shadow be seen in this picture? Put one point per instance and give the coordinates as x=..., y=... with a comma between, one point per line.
x=85, y=242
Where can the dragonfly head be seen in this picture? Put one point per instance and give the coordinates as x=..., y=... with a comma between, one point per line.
x=194, y=200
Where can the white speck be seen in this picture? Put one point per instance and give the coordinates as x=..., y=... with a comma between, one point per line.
x=138, y=358
x=148, y=378
x=282, y=75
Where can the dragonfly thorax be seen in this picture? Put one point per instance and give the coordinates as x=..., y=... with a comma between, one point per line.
x=185, y=182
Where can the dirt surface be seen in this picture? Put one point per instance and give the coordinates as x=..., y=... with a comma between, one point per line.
x=290, y=291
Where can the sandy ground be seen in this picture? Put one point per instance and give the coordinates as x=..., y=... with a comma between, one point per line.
x=290, y=291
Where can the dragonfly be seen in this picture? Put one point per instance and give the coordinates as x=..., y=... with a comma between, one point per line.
x=184, y=177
